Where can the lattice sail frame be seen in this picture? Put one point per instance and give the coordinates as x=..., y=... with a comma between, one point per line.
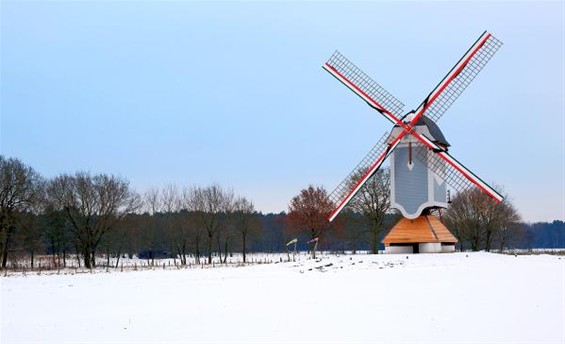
x=364, y=83
x=442, y=170
x=463, y=79
x=347, y=185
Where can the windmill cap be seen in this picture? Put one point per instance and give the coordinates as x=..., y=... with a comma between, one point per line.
x=433, y=128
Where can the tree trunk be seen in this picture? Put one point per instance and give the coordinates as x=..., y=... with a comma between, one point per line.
x=209, y=248
x=6, y=246
x=32, y=256
x=58, y=255
x=476, y=241
x=93, y=258
x=226, y=248
x=315, y=243
x=78, y=253
x=197, y=244
x=53, y=247
x=219, y=247
x=376, y=223
x=119, y=255
x=179, y=253
x=374, y=241
x=1, y=253
x=87, y=259
x=244, y=250
x=488, y=240
x=5, y=254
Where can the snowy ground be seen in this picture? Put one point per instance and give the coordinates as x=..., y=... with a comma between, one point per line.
x=431, y=298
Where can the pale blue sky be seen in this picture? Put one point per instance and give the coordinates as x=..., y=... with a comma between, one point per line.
x=234, y=93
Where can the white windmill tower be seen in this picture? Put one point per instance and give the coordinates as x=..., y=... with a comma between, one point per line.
x=420, y=164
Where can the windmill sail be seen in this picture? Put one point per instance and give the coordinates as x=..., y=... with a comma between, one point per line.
x=454, y=173
x=460, y=76
x=362, y=85
x=348, y=188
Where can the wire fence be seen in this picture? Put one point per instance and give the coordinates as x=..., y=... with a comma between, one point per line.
x=50, y=265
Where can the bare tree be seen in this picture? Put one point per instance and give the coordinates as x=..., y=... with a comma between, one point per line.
x=123, y=237
x=172, y=201
x=20, y=189
x=225, y=232
x=152, y=200
x=310, y=211
x=191, y=222
x=57, y=234
x=153, y=205
x=196, y=235
x=134, y=225
x=373, y=202
x=210, y=204
x=478, y=220
x=509, y=235
x=245, y=221
x=170, y=198
x=29, y=235
x=93, y=205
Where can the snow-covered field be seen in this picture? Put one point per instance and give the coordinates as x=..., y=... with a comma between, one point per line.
x=431, y=298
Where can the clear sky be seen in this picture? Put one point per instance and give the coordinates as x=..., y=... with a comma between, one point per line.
x=234, y=93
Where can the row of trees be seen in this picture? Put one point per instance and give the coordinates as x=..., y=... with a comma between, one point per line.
x=82, y=212
x=33, y=208
x=479, y=223
x=363, y=220
x=88, y=214
x=543, y=235
x=476, y=220
x=205, y=218
x=20, y=193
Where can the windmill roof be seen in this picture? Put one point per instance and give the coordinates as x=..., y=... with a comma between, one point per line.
x=434, y=130
x=424, y=229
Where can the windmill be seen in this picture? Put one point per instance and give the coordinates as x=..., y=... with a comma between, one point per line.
x=420, y=163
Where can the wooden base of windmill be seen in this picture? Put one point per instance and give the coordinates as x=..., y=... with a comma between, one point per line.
x=425, y=234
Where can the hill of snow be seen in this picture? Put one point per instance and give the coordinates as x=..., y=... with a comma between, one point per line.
x=439, y=298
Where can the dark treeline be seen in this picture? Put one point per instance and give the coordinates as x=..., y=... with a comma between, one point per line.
x=173, y=235
x=168, y=235
x=82, y=216
x=543, y=235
